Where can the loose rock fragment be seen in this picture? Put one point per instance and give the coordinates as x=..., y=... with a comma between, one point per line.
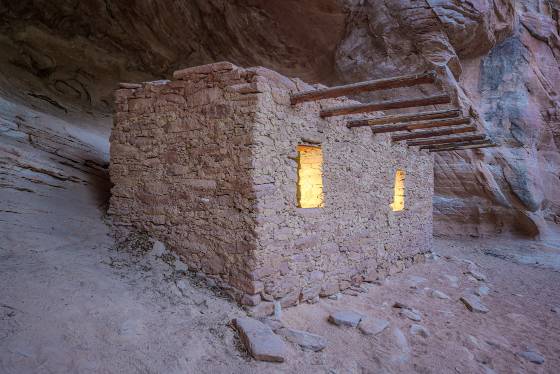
x=453, y=280
x=260, y=341
x=350, y=292
x=482, y=291
x=372, y=325
x=532, y=356
x=305, y=340
x=251, y=300
x=277, y=310
x=129, y=85
x=274, y=324
x=264, y=309
x=411, y=314
x=158, y=248
x=336, y=296
x=473, y=303
x=398, y=304
x=419, y=330
x=439, y=295
x=346, y=318
x=415, y=281
x=476, y=275
x=402, y=344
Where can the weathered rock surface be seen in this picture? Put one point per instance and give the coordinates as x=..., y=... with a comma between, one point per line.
x=346, y=318
x=305, y=340
x=260, y=341
x=372, y=325
x=473, y=303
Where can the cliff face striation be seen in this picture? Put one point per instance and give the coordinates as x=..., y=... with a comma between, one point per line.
x=61, y=60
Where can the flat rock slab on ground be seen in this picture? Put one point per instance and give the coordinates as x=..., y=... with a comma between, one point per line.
x=346, y=318
x=372, y=326
x=473, y=303
x=305, y=340
x=260, y=341
x=532, y=356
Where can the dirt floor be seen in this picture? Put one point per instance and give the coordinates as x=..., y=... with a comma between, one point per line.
x=74, y=301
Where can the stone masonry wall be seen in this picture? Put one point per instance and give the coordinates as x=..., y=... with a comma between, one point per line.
x=181, y=163
x=207, y=163
x=304, y=253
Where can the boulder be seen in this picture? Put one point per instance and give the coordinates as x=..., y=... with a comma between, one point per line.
x=260, y=341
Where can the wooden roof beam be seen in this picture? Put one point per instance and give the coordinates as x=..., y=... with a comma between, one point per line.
x=372, y=85
x=399, y=118
x=385, y=105
x=450, y=139
x=460, y=144
x=465, y=147
x=422, y=125
x=431, y=134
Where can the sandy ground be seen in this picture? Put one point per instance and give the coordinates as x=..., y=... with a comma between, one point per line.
x=73, y=301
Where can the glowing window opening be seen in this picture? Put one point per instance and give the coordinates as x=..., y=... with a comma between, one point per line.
x=310, y=177
x=398, y=196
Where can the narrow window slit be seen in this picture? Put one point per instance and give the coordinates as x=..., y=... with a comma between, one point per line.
x=398, y=196
x=310, y=177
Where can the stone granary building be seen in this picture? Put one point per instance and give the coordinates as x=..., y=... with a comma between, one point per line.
x=261, y=181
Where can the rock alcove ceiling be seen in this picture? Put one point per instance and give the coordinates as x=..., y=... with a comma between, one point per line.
x=61, y=60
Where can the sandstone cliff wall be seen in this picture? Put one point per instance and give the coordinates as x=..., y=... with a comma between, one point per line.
x=65, y=58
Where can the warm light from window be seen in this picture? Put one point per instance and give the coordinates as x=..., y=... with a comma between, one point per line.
x=398, y=196
x=310, y=177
